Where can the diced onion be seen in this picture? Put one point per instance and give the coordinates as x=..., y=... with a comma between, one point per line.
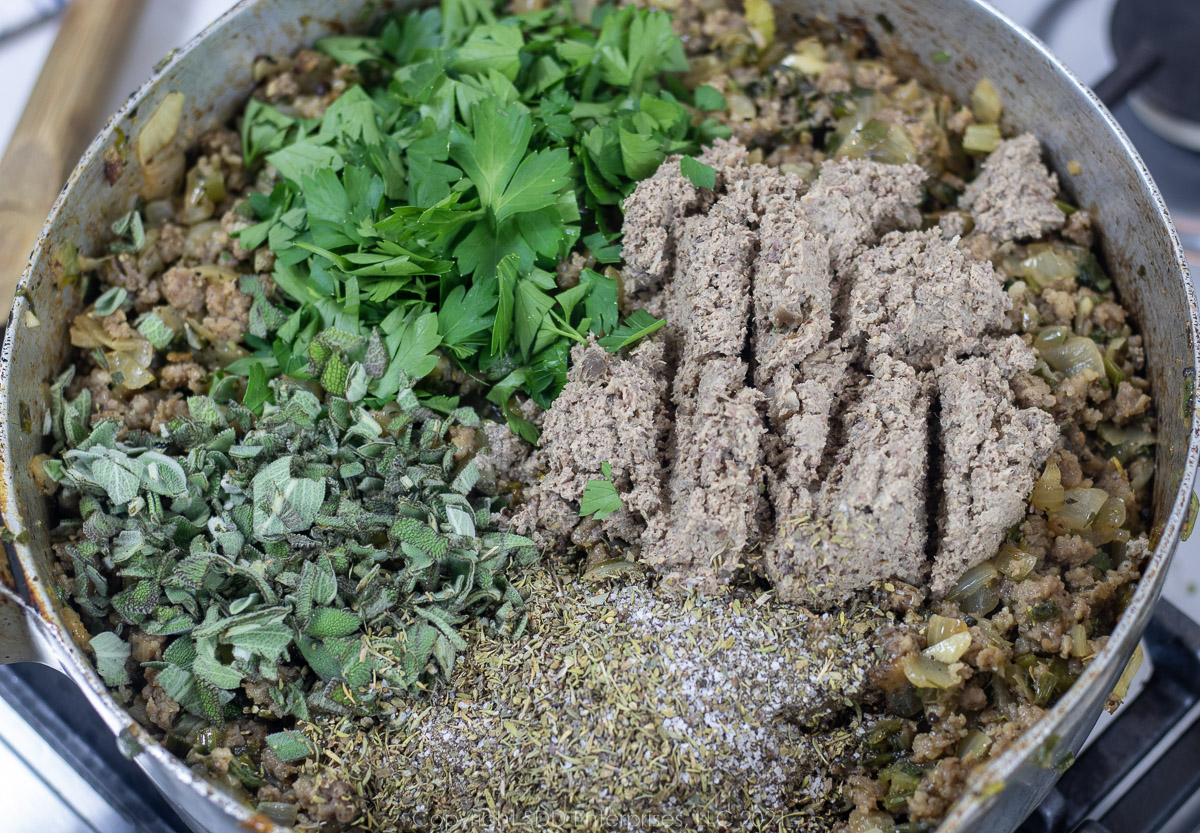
x=1125, y=681
x=976, y=591
x=158, y=212
x=973, y=579
x=279, y=812
x=163, y=163
x=1048, y=493
x=1109, y=522
x=1078, y=355
x=1015, y=563
x=741, y=107
x=159, y=130
x=760, y=18
x=1050, y=338
x=198, y=204
x=1115, y=374
x=939, y=628
x=925, y=672
x=132, y=361
x=974, y=747
x=1046, y=264
x=981, y=138
x=1130, y=435
x=45, y=483
x=986, y=103
x=164, y=174
x=1083, y=312
x=198, y=236
x=87, y=333
x=810, y=58
x=1080, y=649
x=879, y=141
x=1080, y=508
x=1141, y=473
x=950, y=649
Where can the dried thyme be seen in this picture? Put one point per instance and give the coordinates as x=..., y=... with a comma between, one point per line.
x=626, y=709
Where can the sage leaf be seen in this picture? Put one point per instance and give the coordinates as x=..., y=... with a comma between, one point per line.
x=162, y=475
x=155, y=330
x=290, y=746
x=329, y=622
x=120, y=481
x=461, y=521
x=283, y=503
x=217, y=534
x=319, y=658
x=207, y=667
x=110, y=301
x=111, y=654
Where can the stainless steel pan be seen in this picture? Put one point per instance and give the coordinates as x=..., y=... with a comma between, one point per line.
x=214, y=75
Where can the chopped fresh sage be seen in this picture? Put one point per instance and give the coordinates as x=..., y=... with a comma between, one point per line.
x=130, y=233
x=290, y=746
x=111, y=300
x=111, y=655
x=329, y=551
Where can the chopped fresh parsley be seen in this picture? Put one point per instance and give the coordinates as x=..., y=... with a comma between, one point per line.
x=424, y=213
x=709, y=98
x=700, y=175
x=636, y=327
x=600, y=498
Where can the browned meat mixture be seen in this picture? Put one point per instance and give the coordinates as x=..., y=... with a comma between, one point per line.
x=713, y=496
x=868, y=519
x=622, y=404
x=1013, y=196
x=993, y=452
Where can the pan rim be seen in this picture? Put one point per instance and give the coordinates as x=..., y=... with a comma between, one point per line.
x=997, y=772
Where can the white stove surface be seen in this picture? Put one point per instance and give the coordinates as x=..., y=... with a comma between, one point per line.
x=55, y=800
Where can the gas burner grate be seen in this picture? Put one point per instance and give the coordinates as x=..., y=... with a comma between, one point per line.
x=56, y=751
x=1142, y=774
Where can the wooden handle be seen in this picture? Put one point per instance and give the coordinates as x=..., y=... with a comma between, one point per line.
x=59, y=121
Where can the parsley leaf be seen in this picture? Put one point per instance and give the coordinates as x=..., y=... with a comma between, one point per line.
x=636, y=327
x=707, y=98
x=700, y=175
x=600, y=498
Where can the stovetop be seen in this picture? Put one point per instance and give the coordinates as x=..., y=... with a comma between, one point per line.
x=60, y=768
x=1140, y=772
x=61, y=771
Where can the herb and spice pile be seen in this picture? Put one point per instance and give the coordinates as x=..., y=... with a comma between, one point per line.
x=572, y=417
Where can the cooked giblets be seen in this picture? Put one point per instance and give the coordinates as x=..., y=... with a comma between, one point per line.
x=873, y=383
